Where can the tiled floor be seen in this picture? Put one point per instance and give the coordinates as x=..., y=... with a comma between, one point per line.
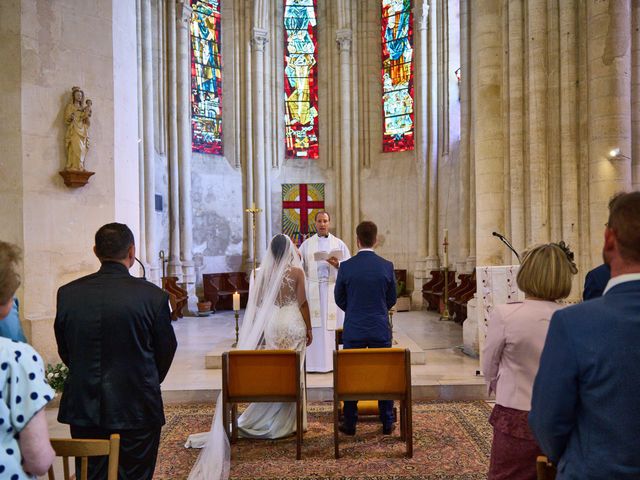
x=446, y=366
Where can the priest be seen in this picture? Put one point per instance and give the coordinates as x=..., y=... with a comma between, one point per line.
x=321, y=255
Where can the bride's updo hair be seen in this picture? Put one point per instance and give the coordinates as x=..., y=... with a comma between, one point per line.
x=279, y=245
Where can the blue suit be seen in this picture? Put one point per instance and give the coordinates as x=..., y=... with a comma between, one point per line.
x=10, y=326
x=365, y=290
x=584, y=408
x=596, y=281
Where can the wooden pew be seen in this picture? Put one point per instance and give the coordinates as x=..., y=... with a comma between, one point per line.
x=431, y=295
x=436, y=276
x=220, y=287
x=467, y=286
x=178, y=296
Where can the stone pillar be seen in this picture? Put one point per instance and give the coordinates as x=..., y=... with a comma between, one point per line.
x=183, y=94
x=516, y=125
x=343, y=38
x=537, y=128
x=433, y=260
x=609, y=67
x=635, y=95
x=258, y=40
x=486, y=47
x=569, y=129
x=175, y=267
x=141, y=247
x=421, y=273
x=151, y=247
x=465, y=131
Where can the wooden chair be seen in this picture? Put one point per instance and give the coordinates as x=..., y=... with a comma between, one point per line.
x=83, y=449
x=381, y=373
x=545, y=469
x=238, y=280
x=178, y=296
x=261, y=376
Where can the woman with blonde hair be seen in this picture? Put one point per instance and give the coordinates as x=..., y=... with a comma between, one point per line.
x=511, y=356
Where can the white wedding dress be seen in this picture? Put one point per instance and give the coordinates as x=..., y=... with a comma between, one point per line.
x=272, y=321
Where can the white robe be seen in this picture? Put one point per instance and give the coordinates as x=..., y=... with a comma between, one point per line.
x=320, y=353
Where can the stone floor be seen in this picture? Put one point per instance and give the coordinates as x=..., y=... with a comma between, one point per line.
x=447, y=374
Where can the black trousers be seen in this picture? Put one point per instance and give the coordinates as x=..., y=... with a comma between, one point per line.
x=385, y=407
x=138, y=452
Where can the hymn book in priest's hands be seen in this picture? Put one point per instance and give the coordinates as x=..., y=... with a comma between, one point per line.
x=317, y=256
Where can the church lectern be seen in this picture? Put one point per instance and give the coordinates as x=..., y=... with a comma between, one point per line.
x=495, y=285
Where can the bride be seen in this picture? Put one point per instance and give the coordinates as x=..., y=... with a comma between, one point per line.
x=277, y=315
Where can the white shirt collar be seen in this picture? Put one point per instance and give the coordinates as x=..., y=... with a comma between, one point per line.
x=627, y=277
x=365, y=250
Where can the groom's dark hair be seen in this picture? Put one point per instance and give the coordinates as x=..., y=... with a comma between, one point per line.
x=367, y=233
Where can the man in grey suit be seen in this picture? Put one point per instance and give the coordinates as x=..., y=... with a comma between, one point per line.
x=584, y=409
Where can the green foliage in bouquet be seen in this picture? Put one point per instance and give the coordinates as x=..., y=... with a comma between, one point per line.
x=56, y=375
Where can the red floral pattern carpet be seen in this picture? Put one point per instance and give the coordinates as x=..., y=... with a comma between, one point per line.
x=452, y=441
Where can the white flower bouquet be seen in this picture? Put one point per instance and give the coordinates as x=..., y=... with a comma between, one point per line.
x=56, y=375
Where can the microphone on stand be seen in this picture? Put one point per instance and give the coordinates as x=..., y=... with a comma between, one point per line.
x=507, y=243
x=144, y=271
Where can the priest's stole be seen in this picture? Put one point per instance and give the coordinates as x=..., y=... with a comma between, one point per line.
x=300, y=203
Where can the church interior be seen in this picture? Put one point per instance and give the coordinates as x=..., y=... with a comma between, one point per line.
x=209, y=126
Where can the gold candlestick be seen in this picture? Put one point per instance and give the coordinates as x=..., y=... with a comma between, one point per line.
x=235, y=344
x=254, y=211
x=445, y=244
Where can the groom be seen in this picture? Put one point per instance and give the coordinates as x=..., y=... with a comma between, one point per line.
x=366, y=290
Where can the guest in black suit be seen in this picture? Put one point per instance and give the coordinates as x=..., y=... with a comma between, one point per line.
x=114, y=333
x=596, y=281
x=366, y=290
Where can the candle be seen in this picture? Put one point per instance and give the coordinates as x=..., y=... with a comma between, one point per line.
x=253, y=205
x=236, y=301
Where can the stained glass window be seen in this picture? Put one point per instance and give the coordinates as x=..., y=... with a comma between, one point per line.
x=397, y=75
x=300, y=79
x=206, y=77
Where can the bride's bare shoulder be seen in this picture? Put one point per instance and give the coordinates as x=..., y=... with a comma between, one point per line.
x=297, y=272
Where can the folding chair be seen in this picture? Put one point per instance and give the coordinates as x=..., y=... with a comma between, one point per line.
x=545, y=469
x=261, y=376
x=381, y=373
x=83, y=449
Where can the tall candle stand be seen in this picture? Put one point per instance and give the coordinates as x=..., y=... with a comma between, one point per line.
x=445, y=311
x=254, y=211
x=237, y=314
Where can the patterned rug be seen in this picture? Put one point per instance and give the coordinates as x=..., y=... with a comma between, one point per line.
x=452, y=441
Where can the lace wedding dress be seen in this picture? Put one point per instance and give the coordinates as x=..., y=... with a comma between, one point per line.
x=272, y=321
x=286, y=330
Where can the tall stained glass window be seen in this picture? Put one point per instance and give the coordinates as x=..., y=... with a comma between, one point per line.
x=397, y=75
x=206, y=77
x=300, y=79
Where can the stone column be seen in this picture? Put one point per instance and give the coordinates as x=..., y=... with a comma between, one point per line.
x=635, y=95
x=486, y=46
x=569, y=128
x=537, y=128
x=183, y=19
x=175, y=267
x=141, y=247
x=258, y=40
x=421, y=273
x=609, y=67
x=465, y=131
x=343, y=38
x=516, y=125
x=433, y=260
x=151, y=247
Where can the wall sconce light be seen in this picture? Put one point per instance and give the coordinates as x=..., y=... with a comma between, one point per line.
x=614, y=154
